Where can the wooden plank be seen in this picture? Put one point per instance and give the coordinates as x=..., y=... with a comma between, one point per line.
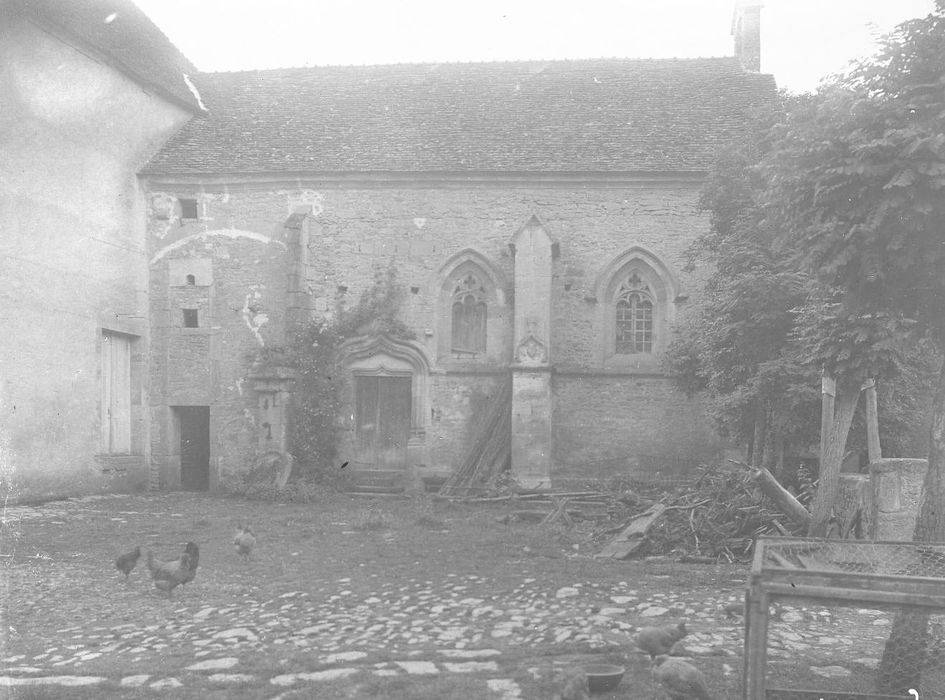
x=872, y=422
x=782, y=561
x=833, y=596
x=855, y=581
x=805, y=694
x=810, y=562
x=631, y=537
x=491, y=450
x=756, y=636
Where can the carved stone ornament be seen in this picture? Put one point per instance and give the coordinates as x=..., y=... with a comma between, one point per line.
x=531, y=351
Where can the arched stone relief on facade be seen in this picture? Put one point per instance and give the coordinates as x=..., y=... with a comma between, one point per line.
x=472, y=315
x=636, y=297
x=382, y=355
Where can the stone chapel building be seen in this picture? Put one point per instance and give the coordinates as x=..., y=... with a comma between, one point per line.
x=537, y=212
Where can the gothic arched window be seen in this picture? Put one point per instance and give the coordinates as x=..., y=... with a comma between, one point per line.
x=468, y=334
x=634, y=316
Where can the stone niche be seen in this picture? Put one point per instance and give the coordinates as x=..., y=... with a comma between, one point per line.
x=272, y=386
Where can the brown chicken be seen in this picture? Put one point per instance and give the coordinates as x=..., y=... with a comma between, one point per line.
x=680, y=679
x=168, y=575
x=127, y=561
x=244, y=540
x=660, y=640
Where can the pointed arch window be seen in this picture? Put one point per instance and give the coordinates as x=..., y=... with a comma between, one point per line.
x=634, y=325
x=469, y=313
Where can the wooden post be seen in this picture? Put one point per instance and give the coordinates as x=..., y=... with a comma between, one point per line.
x=756, y=639
x=872, y=422
x=828, y=393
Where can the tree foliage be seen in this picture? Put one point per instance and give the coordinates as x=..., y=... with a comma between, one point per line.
x=737, y=344
x=852, y=185
x=828, y=249
x=857, y=184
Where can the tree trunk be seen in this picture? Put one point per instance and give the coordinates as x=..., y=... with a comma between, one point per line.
x=835, y=426
x=874, y=451
x=906, y=648
x=758, y=441
x=789, y=505
x=930, y=526
x=769, y=456
x=779, y=463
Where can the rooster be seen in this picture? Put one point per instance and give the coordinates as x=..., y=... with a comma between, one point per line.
x=244, y=540
x=127, y=561
x=660, y=640
x=168, y=575
x=681, y=680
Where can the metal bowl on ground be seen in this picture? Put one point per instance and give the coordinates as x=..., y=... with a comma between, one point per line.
x=603, y=677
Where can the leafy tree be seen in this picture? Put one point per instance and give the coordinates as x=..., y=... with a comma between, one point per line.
x=771, y=319
x=736, y=344
x=858, y=183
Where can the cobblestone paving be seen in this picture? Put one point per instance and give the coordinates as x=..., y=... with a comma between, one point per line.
x=417, y=626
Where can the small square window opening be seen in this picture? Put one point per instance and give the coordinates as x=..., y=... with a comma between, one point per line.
x=191, y=280
x=188, y=208
x=190, y=318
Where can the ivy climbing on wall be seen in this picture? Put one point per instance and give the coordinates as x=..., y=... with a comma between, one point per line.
x=314, y=356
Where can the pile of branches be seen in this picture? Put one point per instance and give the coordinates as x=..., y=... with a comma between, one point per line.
x=716, y=517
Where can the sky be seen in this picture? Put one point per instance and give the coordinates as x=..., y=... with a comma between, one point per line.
x=802, y=40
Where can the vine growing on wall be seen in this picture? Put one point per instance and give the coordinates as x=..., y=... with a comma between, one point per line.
x=314, y=356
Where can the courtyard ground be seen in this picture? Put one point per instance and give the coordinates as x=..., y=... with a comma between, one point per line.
x=343, y=598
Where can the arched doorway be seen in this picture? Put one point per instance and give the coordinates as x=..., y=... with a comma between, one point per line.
x=386, y=404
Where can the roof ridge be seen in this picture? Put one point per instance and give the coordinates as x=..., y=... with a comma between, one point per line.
x=597, y=115
x=524, y=61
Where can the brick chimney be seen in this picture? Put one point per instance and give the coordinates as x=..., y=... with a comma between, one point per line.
x=746, y=28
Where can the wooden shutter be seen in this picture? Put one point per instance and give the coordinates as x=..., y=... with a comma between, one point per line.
x=116, y=393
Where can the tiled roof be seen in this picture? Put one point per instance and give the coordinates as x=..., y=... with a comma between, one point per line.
x=532, y=116
x=129, y=38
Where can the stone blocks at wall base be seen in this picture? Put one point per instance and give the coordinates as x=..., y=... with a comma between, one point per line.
x=532, y=427
x=896, y=491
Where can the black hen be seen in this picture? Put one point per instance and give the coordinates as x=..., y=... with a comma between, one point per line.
x=127, y=561
x=193, y=553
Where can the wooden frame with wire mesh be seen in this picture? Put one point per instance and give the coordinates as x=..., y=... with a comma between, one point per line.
x=899, y=578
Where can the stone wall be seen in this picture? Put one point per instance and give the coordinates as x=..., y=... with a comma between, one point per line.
x=608, y=424
x=428, y=232
x=237, y=281
x=896, y=490
x=73, y=133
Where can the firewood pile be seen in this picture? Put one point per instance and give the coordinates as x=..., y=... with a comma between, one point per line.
x=714, y=518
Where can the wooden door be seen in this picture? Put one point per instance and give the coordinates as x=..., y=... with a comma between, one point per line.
x=194, y=447
x=382, y=420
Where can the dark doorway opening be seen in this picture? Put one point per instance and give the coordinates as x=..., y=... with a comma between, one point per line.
x=194, y=424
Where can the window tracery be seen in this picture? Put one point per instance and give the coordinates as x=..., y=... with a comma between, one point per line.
x=634, y=307
x=469, y=315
